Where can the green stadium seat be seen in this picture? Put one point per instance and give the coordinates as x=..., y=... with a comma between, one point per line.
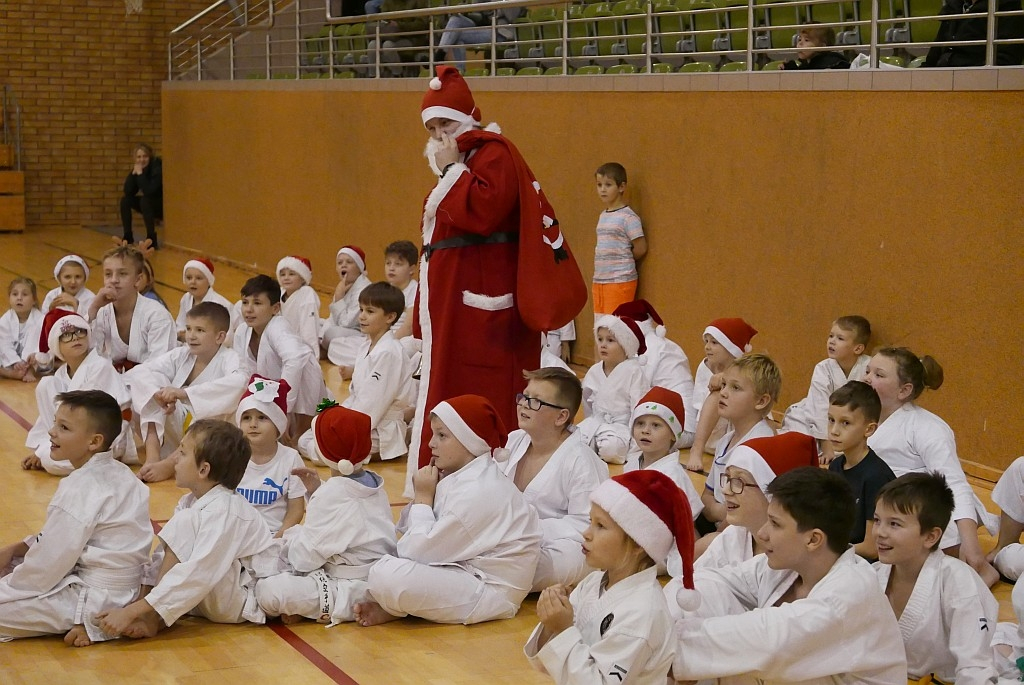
x=476, y=72
x=505, y=71
x=668, y=26
x=735, y=18
x=621, y=69
x=701, y=19
x=773, y=66
x=555, y=71
x=632, y=14
x=580, y=36
x=696, y=67
x=916, y=62
x=658, y=68
x=590, y=70
x=733, y=66
x=530, y=71
x=892, y=59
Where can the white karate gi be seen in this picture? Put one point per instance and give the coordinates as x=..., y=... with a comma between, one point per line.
x=330, y=557
x=282, y=354
x=1008, y=495
x=560, y=493
x=213, y=394
x=948, y=622
x=701, y=391
x=302, y=311
x=341, y=335
x=670, y=466
x=843, y=632
x=409, y=292
x=18, y=341
x=761, y=429
x=380, y=389
x=608, y=402
x=470, y=558
x=151, y=333
x=1011, y=635
x=731, y=547
x=88, y=558
x=95, y=373
x=914, y=440
x=187, y=302
x=84, y=298
x=810, y=415
x=268, y=487
x=223, y=545
x=619, y=635
x=552, y=340
x=666, y=365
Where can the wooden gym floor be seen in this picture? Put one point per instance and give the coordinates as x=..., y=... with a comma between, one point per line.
x=194, y=650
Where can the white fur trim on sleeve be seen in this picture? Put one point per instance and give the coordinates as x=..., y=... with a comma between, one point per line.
x=444, y=184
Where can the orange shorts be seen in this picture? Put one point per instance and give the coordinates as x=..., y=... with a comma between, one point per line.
x=608, y=296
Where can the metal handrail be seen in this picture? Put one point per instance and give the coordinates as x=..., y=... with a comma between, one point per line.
x=368, y=59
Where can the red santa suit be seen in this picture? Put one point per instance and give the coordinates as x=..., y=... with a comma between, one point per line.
x=479, y=326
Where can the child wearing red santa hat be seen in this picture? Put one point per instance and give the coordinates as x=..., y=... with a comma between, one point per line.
x=470, y=542
x=724, y=340
x=348, y=527
x=300, y=305
x=198, y=277
x=66, y=335
x=616, y=625
x=613, y=387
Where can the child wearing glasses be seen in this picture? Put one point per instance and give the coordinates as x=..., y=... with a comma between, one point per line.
x=66, y=335
x=555, y=471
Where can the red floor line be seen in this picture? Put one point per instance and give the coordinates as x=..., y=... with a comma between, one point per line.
x=15, y=416
x=314, y=657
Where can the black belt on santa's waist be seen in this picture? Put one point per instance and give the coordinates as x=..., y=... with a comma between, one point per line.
x=469, y=240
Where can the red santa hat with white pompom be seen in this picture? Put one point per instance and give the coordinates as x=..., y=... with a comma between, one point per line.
x=475, y=423
x=733, y=334
x=644, y=313
x=202, y=265
x=654, y=512
x=449, y=97
x=56, y=323
x=300, y=265
x=341, y=437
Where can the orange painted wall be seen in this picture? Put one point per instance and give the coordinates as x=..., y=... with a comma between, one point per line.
x=785, y=208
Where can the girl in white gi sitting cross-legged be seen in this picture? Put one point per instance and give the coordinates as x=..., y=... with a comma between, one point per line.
x=615, y=626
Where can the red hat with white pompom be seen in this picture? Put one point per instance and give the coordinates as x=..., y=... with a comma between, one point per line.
x=299, y=265
x=475, y=423
x=341, y=438
x=56, y=323
x=644, y=313
x=70, y=259
x=203, y=266
x=268, y=396
x=667, y=405
x=356, y=254
x=449, y=97
x=654, y=512
x=626, y=331
x=733, y=334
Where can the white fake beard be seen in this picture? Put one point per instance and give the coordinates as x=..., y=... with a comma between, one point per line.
x=433, y=145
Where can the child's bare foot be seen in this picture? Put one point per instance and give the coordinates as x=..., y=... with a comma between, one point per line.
x=291, y=619
x=143, y=627
x=32, y=463
x=695, y=463
x=77, y=637
x=371, y=614
x=153, y=472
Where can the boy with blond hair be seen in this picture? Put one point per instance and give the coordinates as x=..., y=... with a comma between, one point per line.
x=127, y=329
x=846, y=362
x=620, y=242
x=555, y=471
x=750, y=386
